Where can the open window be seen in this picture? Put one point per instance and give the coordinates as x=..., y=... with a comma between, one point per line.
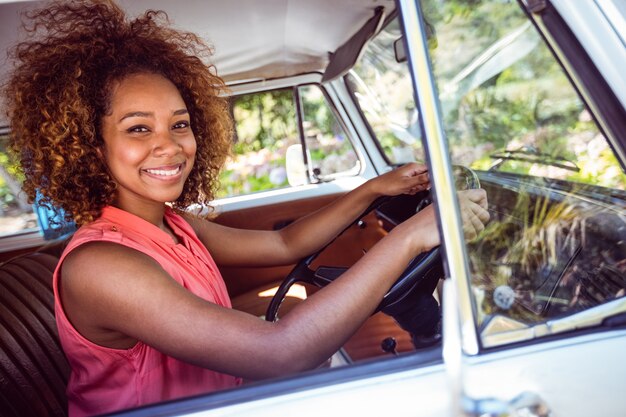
x=286, y=137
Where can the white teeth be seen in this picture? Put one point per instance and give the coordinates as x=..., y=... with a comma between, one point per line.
x=162, y=172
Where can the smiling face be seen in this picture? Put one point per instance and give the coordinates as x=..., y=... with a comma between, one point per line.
x=149, y=146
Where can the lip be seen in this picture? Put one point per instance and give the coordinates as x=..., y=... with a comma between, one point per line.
x=166, y=173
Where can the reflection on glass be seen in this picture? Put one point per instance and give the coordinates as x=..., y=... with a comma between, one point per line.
x=559, y=252
x=556, y=241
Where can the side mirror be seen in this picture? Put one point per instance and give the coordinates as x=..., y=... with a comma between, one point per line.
x=295, y=166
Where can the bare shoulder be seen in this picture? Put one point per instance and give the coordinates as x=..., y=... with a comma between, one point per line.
x=107, y=268
x=93, y=260
x=103, y=282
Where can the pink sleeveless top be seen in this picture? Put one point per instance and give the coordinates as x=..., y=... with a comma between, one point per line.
x=105, y=379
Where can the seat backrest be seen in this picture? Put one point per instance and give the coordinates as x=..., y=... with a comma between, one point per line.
x=33, y=369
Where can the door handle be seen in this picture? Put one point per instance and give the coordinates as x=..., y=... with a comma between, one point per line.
x=527, y=404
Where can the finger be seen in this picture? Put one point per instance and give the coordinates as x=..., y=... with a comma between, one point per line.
x=419, y=180
x=475, y=207
x=475, y=194
x=417, y=188
x=479, y=196
x=468, y=230
x=479, y=212
x=474, y=216
x=415, y=168
x=478, y=225
x=472, y=226
x=483, y=215
x=413, y=185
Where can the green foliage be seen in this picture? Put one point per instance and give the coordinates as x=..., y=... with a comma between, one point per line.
x=530, y=103
x=11, y=169
x=232, y=184
x=318, y=113
x=317, y=154
x=266, y=127
x=262, y=119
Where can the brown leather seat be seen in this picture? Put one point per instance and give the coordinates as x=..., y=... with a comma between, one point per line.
x=33, y=369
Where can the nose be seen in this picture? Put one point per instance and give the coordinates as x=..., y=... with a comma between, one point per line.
x=165, y=144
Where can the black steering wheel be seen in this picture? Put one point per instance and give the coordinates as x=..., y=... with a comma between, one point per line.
x=420, y=276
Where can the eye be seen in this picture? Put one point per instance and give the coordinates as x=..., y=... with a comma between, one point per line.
x=183, y=124
x=137, y=129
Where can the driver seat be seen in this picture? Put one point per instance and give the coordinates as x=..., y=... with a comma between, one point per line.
x=33, y=369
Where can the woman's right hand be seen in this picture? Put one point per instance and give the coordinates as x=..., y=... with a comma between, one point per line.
x=421, y=232
x=474, y=212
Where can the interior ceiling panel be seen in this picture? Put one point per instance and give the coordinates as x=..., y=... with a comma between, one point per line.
x=252, y=39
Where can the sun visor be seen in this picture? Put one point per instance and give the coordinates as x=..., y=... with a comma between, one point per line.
x=347, y=54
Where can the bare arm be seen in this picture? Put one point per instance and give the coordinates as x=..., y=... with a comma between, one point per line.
x=115, y=296
x=239, y=247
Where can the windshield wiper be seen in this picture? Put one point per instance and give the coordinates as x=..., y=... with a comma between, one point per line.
x=532, y=155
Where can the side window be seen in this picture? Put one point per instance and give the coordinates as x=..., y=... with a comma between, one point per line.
x=556, y=242
x=16, y=215
x=268, y=141
x=265, y=126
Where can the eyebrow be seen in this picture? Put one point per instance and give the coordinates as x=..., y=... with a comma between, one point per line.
x=150, y=114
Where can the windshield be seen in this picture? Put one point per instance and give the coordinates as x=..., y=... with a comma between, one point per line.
x=382, y=87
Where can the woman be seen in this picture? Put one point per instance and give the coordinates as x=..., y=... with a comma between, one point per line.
x=122, y=124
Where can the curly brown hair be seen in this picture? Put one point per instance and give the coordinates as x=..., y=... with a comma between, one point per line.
x=60, y=89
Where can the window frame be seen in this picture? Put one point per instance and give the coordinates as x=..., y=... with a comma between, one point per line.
x=454, y=253
x=339, y=184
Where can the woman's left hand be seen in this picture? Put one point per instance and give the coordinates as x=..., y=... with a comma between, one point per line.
x=410, y=179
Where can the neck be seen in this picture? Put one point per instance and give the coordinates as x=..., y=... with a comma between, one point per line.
x=152, y=212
